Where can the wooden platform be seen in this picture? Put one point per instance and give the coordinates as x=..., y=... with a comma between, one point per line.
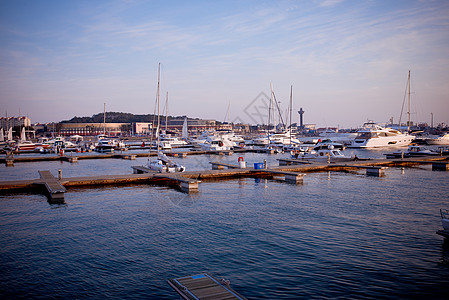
x=186, y=184
x=54, y=188
x=291, y=161
x=290, y=177
x=220, y=165
x=203, y=286
x=190, y=179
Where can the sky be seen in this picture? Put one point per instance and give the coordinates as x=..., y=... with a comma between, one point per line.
x=345, y=62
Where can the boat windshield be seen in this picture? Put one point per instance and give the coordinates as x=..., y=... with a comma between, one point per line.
x=366, y=135
x=337, y=153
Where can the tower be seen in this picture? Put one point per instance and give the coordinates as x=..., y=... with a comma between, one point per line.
x=301, y=123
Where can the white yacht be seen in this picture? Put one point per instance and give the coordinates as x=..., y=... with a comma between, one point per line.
x=164, y=165
x=326, y=154
x=279, y=139
x=169, y=142
x=214, y=143
x=374, y=136
x=413, y=151
x=441, y=140
x=345, y=138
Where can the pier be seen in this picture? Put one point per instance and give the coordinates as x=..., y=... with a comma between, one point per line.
x=54, y=188
x=10, y=159
x=189, y=181
x=203, y=286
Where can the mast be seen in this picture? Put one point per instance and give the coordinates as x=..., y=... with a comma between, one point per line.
x=408, y=100
x=166, y=113
x=291, y=101
x=269, y=108
x=104, y=118
x=157, y=102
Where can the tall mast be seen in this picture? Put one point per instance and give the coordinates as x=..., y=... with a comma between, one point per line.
x=269, y=107
x=291, y=100
x=409, y=100
x=157, y=101
x=104, y=118
x=166, y=113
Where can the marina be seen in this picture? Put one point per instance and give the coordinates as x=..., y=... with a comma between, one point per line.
x=188, y=181
x=338, y=233
x=269, y=217
x=224, y=150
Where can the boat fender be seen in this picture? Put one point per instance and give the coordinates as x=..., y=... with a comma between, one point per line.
x=240, y=158
x=220, y=143
x=61, y=152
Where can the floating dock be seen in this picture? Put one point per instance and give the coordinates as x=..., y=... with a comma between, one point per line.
x=54, y=188
x=204, y=286
x=189, y=181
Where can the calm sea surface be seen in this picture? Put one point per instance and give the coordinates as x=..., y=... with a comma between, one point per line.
x=337, y=235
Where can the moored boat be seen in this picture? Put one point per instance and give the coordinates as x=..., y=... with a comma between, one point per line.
x=375, y=136
x=328, y=154
x=412, y=151
x=440, y=140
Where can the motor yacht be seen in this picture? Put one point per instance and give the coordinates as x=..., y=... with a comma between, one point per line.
x=329, y=154
x=374, y=136
x=412, y=151
x=169, y=142
x=440, y=140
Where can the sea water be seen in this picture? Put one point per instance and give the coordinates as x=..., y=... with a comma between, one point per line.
x=337, y=235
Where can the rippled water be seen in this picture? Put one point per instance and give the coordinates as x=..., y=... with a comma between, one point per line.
x=338, y=235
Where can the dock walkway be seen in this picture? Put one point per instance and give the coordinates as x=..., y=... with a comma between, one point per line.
x=203, y=286
x=54, y=188
x=188, y=181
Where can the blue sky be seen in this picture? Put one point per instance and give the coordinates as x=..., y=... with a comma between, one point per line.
x=347, y=61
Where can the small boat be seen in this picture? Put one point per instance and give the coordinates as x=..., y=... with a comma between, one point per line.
x=169, y=142
x=216, y=143
x=164, y=165
x=104, y=146
x=329, y=154
x=413, y=151
x=326, y=143
x=441, y=140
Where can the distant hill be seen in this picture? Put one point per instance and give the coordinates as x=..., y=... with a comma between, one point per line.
x=118, y=117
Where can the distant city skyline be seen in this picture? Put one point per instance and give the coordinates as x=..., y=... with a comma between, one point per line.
x=348, y=61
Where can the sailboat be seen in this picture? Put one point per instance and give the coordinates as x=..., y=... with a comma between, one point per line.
x=24, y=144
x=185, y=132
x=162, y=163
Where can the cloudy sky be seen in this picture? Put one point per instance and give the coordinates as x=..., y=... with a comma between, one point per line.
x=347, y=61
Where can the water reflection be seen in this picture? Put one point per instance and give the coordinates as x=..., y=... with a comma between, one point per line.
x=445, y=252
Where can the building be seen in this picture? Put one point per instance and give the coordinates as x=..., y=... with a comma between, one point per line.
x=192, y=124
x=141, y=128
x=89, y=129
x=8, y=122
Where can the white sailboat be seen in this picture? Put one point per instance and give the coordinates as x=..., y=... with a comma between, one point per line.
x=185, y=131
x=162, y=163
x=9, y=137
